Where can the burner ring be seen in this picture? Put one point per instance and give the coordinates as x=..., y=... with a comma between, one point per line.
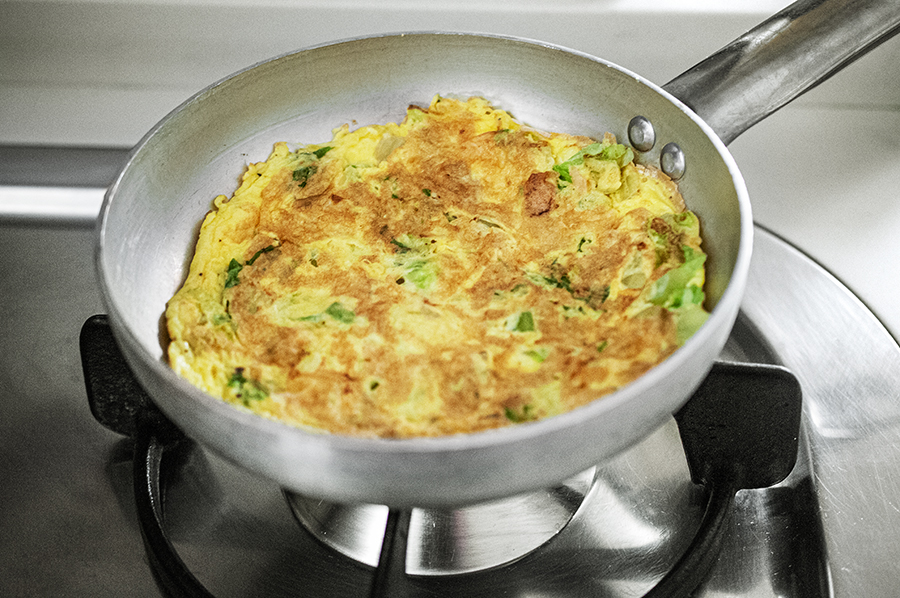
x=449, y=541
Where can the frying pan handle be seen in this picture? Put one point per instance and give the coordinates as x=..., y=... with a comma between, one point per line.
x=780, y=59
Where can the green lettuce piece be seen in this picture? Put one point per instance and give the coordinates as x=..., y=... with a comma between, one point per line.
x=660, y=246
x=678, y=292
x=562, y=169
x=683, y=222
x=690, y=318
x=422, y=273
x=414, y=256
x=674, y=287
x=616, y=152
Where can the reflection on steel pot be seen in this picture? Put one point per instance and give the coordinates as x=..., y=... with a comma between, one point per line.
x=148, y=224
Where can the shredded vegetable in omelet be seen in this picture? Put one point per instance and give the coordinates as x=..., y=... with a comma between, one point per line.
x=452, y=273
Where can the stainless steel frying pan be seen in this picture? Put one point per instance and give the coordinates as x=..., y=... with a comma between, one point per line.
x=149, y=221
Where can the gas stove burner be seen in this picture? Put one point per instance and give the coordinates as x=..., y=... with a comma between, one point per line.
x=449, y=541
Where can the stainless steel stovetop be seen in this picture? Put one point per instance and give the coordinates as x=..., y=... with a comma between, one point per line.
x=69, y=528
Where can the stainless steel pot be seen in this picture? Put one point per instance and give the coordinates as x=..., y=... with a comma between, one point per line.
x=149, y=220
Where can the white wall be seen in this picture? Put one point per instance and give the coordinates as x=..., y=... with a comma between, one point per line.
x=103, y=72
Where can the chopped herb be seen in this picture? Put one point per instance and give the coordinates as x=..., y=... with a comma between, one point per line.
x=603, y=294
x=220, y=319
x=520, y=290
x=539, y=354
x=560, y=282
x=570, y=312
x=302, y=174
x=427, y=192
x=559, y=279
x=450, y=217
x=526, y=414
x=521, y=322
x=407, y=242
x=374, y=384
x=231, y=275
x=393, y=186
x=315, y=318
x=314, y=262
x=602, y=346
x=245, y=389
x=308, y=166
x=340, y=313
x=259, y=253
x=336, y=311
x=402, y=248
x=584, y=241
x=235, y=267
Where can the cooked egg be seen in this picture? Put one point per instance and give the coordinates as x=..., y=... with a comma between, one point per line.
x=452, y=273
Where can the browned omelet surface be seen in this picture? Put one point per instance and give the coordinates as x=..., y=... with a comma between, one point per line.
x=451, y=273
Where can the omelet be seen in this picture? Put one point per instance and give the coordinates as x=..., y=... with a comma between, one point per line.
x=454, y=272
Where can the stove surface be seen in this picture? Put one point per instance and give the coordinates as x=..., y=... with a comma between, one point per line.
x=68, y=524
